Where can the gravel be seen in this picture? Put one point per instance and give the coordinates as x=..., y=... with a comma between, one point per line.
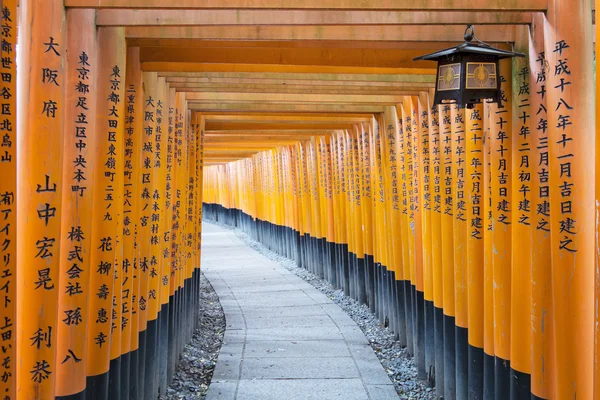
x=395, y=359
x=198, y=360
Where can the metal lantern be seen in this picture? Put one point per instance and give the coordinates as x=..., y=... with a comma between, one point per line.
x=468, y=73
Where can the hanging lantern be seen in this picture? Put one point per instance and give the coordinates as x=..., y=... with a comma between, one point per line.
x=468, y=73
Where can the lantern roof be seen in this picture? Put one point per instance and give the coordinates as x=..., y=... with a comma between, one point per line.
x=469, y=47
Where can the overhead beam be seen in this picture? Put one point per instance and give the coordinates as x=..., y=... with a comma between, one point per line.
x=318, y=32
x=266, y=132
x=300, y=89
x=367, y=57
x=160, y=66
x=294, y=98
x=223, y=149
x=113, y=17
x=283, y=107
x=293, y=118
x=225, y=155
x=236, y=126
x=432, y=5
x=249, y=139
x=297, y=44
x=180, y=81
x=309, y=77
x=222, y=160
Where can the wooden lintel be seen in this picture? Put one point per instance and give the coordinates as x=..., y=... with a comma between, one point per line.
x=302, y=89
x=265, y=132
x=440, y=5
x=296, y=117
x=185, y=82
x=226, y=149
x=165, y=66
x=248, y=139
x=303, y=77
x=216, y=126
x=340, y=57
x=114, y=17
x=298, y=44
x=286, y=107
x=300, y=98
x=506, y=33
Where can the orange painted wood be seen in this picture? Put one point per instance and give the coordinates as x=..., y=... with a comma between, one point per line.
x=40, y=107
x=79, y=166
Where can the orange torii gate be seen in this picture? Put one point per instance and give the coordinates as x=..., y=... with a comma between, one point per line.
x=472, y=233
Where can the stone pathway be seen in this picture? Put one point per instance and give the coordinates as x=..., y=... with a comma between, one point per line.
x=284, y=339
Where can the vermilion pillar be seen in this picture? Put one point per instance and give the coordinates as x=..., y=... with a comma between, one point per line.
x=146, y=263
x=131, y=209
x=571, y=136
x=597, y=181
x=445, y=129
x=488, y=275
x=79, y=167
x=109, y=121
x=39, y=161
x=162, y=147
x=460, y=229
x=542, y=354
x=426, y=212
x=522, y=228
x=435, y=173
x=8, y=205
x=501, y=137
x=405, y=167
x=475, y=218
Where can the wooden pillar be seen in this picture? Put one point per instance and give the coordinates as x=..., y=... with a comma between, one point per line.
x=502, y=208
x=78, y=169
x=155, y=129
x=392, y=192
x=597, y=242
x=436, y=242
x=109, y=144
x=457, y=116
x=417, y=241
x=166, y=164
x=147, y=263
x=117, y=125
x=541, y=301
x=381, y=239
x=447, y=251
x=173, y=157
x=367, y=217
x=131, y=203
x=8, y=197
x=425, y=189
x=570, y=105
x=474, y=195
x=39, y=161
x=405, y=166
x=335, y=178
x=522, y=229
x=488, y=275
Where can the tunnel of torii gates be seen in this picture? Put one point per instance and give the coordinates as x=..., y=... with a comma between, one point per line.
x=471, y=233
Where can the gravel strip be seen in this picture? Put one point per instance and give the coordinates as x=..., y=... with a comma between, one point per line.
x=395, y=359
x=198, y=360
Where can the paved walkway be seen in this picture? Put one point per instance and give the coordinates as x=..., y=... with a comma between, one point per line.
x=284, y=339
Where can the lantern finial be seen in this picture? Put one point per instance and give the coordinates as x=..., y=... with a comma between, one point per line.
x=469, y=33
